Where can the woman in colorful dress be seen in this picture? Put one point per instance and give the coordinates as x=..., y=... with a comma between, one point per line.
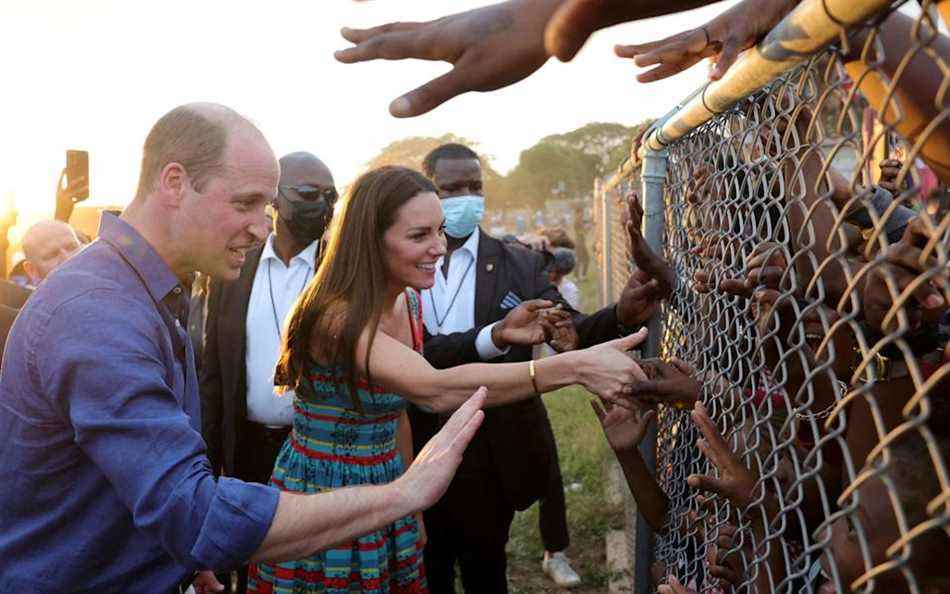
x=352, y=354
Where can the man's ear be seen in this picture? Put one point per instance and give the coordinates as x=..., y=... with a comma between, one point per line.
x=32, y=272
x=173, y=184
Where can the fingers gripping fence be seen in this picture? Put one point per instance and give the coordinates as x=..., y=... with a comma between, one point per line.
x=806, y=215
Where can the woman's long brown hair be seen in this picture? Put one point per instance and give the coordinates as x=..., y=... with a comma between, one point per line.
x=351, y=280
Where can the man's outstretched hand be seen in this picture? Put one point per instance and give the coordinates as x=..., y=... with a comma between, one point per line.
x=430, y=473
x=489, y=48
x=523, y=325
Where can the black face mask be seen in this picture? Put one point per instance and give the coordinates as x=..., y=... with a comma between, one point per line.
x=306, y=220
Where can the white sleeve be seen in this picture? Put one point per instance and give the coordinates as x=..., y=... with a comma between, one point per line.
x=486, y=346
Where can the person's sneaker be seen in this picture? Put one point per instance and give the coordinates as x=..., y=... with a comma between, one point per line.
x=559, y=569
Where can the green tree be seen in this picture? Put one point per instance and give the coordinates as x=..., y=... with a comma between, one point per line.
x=565, y=165
x=608, y=143
x=548, y=169
x=411, y=152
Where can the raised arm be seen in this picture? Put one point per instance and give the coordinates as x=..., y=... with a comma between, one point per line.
x=493, y=46
x=605, y=370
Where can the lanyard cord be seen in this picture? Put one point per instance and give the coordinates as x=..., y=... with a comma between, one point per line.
x=458, y=289
x=270, y=290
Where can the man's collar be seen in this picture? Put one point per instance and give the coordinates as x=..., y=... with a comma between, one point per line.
x=471, y=244
x=308, y=254
x=155, y=272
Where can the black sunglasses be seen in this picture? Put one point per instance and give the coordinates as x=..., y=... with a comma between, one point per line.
x=310, y=193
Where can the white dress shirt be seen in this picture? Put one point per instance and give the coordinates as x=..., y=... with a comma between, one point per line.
x=449, y=306
x=570, y=293
x=274, y=291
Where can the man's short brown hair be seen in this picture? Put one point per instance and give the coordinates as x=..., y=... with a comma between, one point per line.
x=192, y=137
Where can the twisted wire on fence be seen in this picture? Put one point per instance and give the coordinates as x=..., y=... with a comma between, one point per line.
x=812, y=306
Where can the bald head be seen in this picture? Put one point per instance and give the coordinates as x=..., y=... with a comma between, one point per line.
x=196, y=136
x=304, y=203
x=303, y=168
x=46, y=245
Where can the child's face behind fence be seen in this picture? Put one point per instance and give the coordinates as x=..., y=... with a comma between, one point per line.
x=415, y=242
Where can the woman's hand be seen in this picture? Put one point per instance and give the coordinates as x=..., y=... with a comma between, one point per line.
x=608, y=370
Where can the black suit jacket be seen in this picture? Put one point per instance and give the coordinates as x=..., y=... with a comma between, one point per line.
x=7, y=317
x=12, y=298
x=13, y=295
x=223, y=373
x=513, y=435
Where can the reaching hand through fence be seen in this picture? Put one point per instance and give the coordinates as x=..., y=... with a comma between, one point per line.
x=808, y=229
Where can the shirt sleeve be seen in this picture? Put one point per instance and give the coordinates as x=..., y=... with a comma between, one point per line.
x=105, y=368
x=571, y=294
x=486, y=347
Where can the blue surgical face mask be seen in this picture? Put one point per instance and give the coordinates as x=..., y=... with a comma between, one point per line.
x=462, y=214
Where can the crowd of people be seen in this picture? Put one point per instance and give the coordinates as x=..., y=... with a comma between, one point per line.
x=247, y=372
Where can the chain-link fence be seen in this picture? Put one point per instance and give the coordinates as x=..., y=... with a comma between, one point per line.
x=808, y=224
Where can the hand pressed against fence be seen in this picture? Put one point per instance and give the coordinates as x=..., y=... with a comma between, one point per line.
x=624, y=426
x=904, y=263
x=652, y=281
x=735, y=482
x=673, y=384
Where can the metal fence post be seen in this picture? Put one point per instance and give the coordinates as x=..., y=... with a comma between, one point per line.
x=606, y=276
x=652, y=177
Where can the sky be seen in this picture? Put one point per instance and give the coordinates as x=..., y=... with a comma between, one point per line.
x=96, y=74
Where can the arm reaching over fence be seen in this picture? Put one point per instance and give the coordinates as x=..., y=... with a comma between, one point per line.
x=721, y=39
x=489, y=48
x=498, y=45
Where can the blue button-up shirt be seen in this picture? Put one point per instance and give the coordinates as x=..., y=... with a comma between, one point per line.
x=104, y=482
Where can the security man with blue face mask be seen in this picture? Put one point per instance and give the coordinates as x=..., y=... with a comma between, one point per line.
x=512, y=462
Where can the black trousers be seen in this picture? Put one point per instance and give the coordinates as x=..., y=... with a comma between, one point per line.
x=552, y=511
x=470, y=524
x=254, y=462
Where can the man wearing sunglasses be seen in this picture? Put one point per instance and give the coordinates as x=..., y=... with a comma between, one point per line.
x=244, y=422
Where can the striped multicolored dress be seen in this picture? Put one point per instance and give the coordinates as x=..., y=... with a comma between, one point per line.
x=333, y=445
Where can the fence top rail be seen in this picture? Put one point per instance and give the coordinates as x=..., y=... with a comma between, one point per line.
x=811, y=26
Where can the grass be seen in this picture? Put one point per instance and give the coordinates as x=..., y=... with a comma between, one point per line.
x=583, y=453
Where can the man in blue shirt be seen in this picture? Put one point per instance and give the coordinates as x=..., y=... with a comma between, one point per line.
x=105, y=483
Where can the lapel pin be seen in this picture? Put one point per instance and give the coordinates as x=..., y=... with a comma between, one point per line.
x=489, y=267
